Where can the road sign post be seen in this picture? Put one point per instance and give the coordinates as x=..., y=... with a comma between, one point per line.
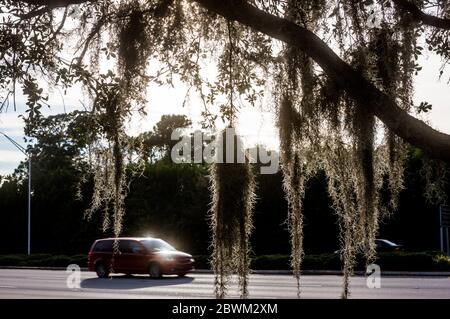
x=448, y=244
x=444, y=218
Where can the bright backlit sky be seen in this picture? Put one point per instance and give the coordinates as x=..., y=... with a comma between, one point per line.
x=256, y=124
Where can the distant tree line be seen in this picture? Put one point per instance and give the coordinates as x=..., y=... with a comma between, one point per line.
x=172, y=201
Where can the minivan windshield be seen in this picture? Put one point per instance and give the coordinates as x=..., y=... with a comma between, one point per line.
x=156, y=245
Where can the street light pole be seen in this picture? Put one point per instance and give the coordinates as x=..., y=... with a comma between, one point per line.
x=29, y=205
x=28, y=154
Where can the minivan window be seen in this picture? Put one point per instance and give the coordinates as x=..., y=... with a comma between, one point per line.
x=104, y=246
x=156, y=245
x=129, y=247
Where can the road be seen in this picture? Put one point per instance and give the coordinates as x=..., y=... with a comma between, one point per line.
x=23, y=283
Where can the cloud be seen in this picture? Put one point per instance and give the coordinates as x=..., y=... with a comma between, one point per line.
x=11, y=124
x=7, y=156
x=9, y=160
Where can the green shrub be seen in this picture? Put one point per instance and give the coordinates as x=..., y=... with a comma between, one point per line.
x=322, y=262
x=415, y=261
x=80, y=260
x=12, y=260
x=399, y=261
x=442, y=262
x=43, y=260
x=267, y=262
x=202, y=262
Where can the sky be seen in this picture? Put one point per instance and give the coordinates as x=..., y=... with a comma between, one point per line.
x=256, y=124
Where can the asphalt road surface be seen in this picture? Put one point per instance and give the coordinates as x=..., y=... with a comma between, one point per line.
x=23, y=283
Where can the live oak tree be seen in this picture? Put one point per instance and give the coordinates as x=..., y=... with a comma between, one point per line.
x=339, y=72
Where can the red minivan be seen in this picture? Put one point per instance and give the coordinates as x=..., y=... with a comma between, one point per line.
x=135, y=255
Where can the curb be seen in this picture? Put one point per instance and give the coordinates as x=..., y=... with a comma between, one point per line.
x=38, y=268
x=339, y=273
x=282, y=272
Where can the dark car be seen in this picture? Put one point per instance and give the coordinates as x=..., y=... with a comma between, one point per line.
x=146, y=255
x=384, y=245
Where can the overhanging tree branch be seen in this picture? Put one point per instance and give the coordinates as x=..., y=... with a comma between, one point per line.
x=44, y=6
x=412, y=130
x=56, y=3
x=35, y=13
x=427, y=19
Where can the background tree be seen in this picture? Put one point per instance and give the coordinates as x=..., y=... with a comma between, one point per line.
x=158, y=143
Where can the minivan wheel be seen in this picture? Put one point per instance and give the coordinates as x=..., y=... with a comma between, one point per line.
x=154, y=270
x=101, y=270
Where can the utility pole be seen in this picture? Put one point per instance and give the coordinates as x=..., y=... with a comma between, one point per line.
x=28, y=154
x=444, y=212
